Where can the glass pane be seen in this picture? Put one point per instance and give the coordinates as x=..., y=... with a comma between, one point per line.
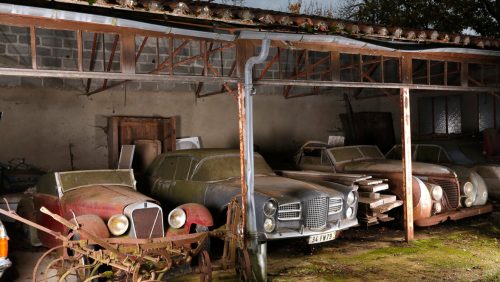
x=74, y=179
x=485, y=105
x=346, y=154
x=454, y=114
x=425, y=115
x=371, y=152
x=227, y=166
x=439, y=114
x=427, y=154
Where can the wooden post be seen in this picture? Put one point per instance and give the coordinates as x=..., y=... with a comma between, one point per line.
x=243, y=134
x=407, y=165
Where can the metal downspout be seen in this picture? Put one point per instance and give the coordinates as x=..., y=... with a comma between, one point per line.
x=257, y=251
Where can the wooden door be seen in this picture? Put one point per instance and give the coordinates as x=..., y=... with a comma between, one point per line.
x=126, y=130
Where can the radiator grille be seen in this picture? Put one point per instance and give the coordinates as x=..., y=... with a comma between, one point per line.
x=289, y=211
x=317, y=210
x=144, y=219
x=335, y=205
x=451, y=190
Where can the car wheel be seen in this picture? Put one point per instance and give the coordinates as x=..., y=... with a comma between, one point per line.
x=26, y=210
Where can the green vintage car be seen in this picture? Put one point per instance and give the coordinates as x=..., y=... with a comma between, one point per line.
x=285, y=208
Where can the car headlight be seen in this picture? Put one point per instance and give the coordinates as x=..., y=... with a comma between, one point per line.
x=270, y=208
x=438, y=208
x=349, y=212
x=118, y=224
x=351, y=198
x=177, y=218
x=269, y=225
x=467, y=202
x=436, y=192
x=468, y=189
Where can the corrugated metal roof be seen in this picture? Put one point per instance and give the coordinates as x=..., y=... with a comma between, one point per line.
x=233, y=18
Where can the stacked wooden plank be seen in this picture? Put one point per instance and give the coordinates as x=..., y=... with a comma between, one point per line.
x=373, y=205
x=375, y=199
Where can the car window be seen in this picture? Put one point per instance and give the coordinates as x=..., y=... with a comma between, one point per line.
x=183, y=167
x=427, y=154
x=371, y=152
x=75, y=179
x=167, y=168
x=216, y=168
x=342, y=154
x=311, y=157
x=443, y=157
x=396, y=152
x=47, y=185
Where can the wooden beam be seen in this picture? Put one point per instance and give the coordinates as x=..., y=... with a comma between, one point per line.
x=407, y=165
x=127, y=53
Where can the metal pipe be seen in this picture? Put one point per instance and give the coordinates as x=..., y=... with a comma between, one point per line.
x=258, y=252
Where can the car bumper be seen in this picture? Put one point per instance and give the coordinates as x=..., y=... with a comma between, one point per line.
x=454, y=215
x=294, y=233
x=4, y=264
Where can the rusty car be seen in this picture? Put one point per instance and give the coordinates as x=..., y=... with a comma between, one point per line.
x=479, y=179
x=437, y=194
x=285, y=208
x=107, y=204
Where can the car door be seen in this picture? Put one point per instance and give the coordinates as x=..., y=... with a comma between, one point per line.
x=161, y=179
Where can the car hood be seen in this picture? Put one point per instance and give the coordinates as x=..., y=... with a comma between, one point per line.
x=102, y=200
x=286, y=190
x=385, y=166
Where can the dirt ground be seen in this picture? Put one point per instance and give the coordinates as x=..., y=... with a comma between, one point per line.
x=468, y=250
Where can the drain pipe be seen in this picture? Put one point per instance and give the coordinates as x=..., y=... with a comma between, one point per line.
x=257, y=250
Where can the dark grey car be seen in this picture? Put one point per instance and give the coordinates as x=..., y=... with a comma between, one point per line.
x=285, y=208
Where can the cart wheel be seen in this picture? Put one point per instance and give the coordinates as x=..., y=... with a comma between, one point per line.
x=205, y=266
x=243, y=265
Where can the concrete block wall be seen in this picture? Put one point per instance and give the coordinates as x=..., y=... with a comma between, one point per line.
x=43, y=116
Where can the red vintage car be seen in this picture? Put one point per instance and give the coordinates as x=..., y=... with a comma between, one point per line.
x=105, y=202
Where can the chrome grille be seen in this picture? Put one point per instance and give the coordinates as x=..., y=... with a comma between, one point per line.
x=290, y=211
x=451, y=191
x=143, y=221
x=335, y=205
x=317, y=210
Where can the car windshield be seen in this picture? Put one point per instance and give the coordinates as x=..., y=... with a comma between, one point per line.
x=76, y=179
x=353, y=153
x=223, y=167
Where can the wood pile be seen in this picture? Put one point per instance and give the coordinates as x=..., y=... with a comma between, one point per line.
x=372, y=206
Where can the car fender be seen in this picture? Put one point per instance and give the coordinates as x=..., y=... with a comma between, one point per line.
x=196, y=214
x=93, y=224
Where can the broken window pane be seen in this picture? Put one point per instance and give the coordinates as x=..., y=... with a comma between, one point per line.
x=485, y=106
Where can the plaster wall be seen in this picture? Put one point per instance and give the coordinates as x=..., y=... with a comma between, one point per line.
x=40, y=123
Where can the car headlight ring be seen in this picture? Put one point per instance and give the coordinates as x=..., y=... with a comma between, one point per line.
x=118, y=224
x=349, y=212
x=436, y=192
x=351, y=198
x=468, y=189
x=269, y=225
x=177, y=218
x=270, y=208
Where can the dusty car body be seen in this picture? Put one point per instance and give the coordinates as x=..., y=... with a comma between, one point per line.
x=485, y=177
x=436, y=189
x=285, y=208
x=106, y=203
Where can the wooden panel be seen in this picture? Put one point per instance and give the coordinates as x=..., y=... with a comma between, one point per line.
x=126, y=130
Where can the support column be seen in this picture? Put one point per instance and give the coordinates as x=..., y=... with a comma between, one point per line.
x=407, y=165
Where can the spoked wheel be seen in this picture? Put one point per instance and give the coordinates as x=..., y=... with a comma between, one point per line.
x=205, y=266
x=243, y=265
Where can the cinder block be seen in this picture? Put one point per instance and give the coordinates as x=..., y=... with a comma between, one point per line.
x=51, y=42
x=9, y=81
x=149, y=86
x=53, y=82
x=19, y=30
x=2, y=48
x=70, y=43
x=51, y=62
x=8, y=38
x=31, y=82
x=26, y=39
x=4, y=28
x=18, y=49
x=69, y=64
x=62, y=53
x=43, y=51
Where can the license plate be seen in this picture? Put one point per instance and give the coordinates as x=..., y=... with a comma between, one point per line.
x=321, y=238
